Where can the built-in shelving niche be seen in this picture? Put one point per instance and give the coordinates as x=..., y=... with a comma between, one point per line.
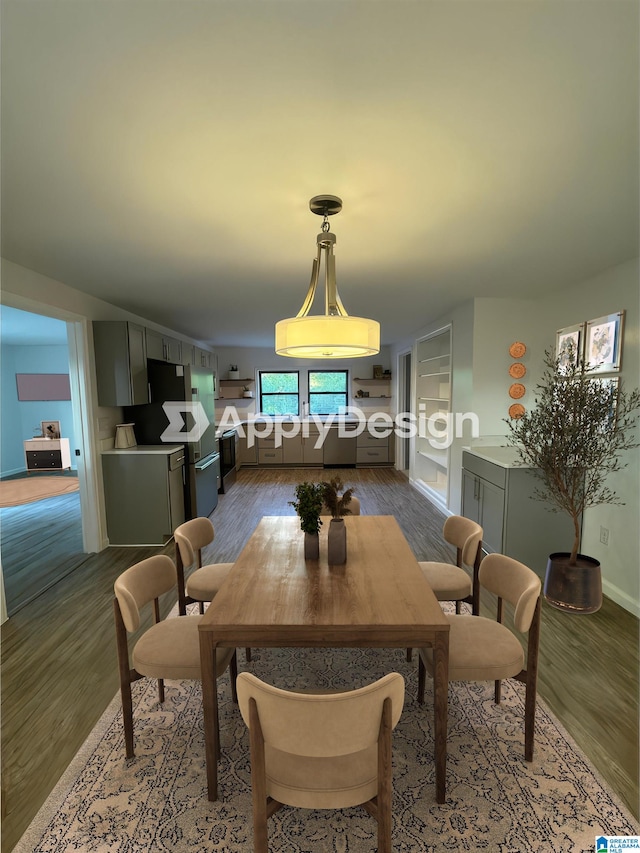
x=433, y=396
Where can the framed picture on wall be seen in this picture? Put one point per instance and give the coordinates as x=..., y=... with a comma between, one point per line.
x=603, y=348
x=569, y=345
x=50, y=429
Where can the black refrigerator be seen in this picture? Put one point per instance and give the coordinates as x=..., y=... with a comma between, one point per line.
x=182, y=410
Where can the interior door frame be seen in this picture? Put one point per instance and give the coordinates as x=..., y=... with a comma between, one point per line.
x=79, y=368
x=404, y=372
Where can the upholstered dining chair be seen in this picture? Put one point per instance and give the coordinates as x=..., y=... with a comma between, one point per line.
x=321, y=751
x=170, y=648
x=454, y=583
x=204, y=582
x=482, y=649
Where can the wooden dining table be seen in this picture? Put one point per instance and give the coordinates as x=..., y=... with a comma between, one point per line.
x=275, y=598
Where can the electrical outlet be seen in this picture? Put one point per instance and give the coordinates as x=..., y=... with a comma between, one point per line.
x=604, y=535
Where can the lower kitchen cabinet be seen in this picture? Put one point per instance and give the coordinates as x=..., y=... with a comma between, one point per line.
x=312, y=455
x=247, y=455
x=500, y=498
x=292, y=450
x=300, y=450
x=268, y=453
x=371, y=449
x=144, y=493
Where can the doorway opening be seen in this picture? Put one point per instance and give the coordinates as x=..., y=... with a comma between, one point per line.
x=404, y=405
x=42, y=530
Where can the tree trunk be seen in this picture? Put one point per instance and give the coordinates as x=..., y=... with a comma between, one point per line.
x=576, y=541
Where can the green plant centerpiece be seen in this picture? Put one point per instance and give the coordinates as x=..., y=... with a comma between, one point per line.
x=337, y=501
x=572, y=440
x=308, y=505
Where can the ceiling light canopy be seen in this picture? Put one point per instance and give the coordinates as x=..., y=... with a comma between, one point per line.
x=333, y=334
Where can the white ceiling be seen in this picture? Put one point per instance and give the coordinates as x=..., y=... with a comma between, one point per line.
x=160, y=154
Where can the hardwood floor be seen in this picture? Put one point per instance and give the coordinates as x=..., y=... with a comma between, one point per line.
x=41, y=542
x=60, y=670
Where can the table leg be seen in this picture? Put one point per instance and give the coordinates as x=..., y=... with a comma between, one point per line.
x=210, y=711
x=440, y=701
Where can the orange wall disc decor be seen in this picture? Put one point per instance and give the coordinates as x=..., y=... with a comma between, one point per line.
x=517, y=349
x=517, y=370
x=517, y=390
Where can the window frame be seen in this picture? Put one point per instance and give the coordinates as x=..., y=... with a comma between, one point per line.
x=311, y=393
x=268, y=394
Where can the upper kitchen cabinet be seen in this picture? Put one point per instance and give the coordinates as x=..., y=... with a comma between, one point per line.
x=197, y=357
x=163, y=348
x=433, y=398
x=121, y=363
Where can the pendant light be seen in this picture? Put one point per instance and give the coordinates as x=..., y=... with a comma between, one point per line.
x=333, y=334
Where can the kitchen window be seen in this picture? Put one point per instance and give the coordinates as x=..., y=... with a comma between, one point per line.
x=279, y=392
x=327, y=391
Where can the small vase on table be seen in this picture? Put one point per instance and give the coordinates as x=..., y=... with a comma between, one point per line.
x=311, y=546
x=337, y=542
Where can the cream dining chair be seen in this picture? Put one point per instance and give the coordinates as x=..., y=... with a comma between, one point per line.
x=204, y=582
x=170, y=648
x=321, y=751
x=482, y=649
x=453, y=582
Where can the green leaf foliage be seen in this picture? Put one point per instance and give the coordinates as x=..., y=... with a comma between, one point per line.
x=574, y=437
x=308, y=506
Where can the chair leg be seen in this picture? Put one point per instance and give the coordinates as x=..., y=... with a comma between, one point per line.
x=529, y=721
x=409, y=655
x=422, y=677
x=247, y=655
x=458, y=605
x=201, y=607
x=233, y=675
x=384, y=780
x=258, y=781
x=160, y=690
x=125, y=679
x=497, y=692
x=127, y=718
x=531, y=684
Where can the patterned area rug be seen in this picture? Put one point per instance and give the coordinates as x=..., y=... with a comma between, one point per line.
x=26, y=490
x=496, y=801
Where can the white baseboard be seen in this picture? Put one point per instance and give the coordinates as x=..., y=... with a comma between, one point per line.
x=622, y=598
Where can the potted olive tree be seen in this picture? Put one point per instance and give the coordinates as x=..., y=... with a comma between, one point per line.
x=308, y=506
x=337, y=501
x=573, y=439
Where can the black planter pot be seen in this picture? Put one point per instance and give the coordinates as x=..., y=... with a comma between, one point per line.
x=573, y=589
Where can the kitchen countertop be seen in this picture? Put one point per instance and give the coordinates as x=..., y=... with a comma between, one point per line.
x=506, y=457
x=159, y=449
